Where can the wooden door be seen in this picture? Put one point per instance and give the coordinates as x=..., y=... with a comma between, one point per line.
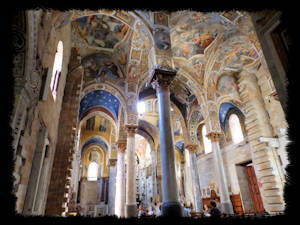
x=254, y=190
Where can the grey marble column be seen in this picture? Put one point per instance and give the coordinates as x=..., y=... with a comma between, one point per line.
x=112, y=187
x=195, y=178
x=226, y=205
x=120, y=180
x=131, y=206
x=170, y=206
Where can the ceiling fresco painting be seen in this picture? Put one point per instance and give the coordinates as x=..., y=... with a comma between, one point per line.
x=100, y=66
x=194, y=32
x=100, y=31
x=99, y=98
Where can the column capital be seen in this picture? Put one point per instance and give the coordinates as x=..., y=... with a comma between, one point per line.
x=131, y=130
x=121, y=146
x=112, y=162
x=162, y=78
x=214, y=136
x=191, y=148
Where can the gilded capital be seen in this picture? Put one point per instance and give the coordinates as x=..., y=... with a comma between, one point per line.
x=131, y=130
x=112, y=162
x=191, y=148
x=214, y=136
x=121, y=146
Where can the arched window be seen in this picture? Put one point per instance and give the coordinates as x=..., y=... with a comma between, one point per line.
x=92, y=171
x=235, y=129
x=207, y=143
x=57, y=66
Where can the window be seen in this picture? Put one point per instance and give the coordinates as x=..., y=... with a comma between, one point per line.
x=207, y=143
x=141, y=107
x=235, y=129
x=93, y=171
x=57, y=66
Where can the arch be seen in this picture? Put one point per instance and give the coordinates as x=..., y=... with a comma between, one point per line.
x=93, y=141
x=109, y=88
x=206, y=141
x=149, y=130
x=91, y=113
x=99, y=98
x=223, y=110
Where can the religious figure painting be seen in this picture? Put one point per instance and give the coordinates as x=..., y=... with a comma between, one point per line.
x=162, y=40
x=100, y=31
x=191, y=37
x=227, y=85
x=99, y=66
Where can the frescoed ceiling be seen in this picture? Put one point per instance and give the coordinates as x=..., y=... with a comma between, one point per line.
x=100, y=31
x=100, y=98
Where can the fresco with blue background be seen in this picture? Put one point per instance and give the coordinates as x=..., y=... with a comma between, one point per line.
x=224, y=109
x=99, y=98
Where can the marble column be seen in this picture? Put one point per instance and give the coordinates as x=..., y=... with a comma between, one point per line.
x=195, y=178
x=131, y=205
x=170, y=206
x=182, y=191
x=226, y=205
x=120, y=180
x=112, y=187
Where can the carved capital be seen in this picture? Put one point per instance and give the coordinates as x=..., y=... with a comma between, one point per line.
x=131, y=130
x=121, y=146
x=191, y=148
x=112, y=162
x=162, y=78
x=214, y=136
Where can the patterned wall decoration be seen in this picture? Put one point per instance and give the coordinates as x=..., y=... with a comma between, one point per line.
x=100, y=66
x=95, y=140
x=223, y=110
x=99, y=98
x=100, y=31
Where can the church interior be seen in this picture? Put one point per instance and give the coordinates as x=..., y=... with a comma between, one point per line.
x=115, y=109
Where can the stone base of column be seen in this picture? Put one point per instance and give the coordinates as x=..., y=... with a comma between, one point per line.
x=130, y=210
x=226, y=207
x=173, y=209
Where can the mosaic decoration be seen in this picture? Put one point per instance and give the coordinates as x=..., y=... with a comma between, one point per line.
x=223, y=110
x=95, y=140
x=99, y=66
x=100, y=31
x=99, y=98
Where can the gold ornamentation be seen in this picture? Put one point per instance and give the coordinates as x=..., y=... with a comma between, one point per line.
x=131, y=130
x=214, y=136
x=121, y=146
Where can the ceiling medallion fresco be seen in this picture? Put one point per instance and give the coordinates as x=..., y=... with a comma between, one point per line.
x=100, y=31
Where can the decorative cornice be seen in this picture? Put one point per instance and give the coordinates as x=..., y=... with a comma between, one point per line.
x=214, y=136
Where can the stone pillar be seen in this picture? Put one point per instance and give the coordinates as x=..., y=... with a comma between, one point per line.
x=264, y=156
x=226, y=205
x=195, y=178
x=112, y=187
x=130, y=178
x=170, y=206
x=120, y=180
